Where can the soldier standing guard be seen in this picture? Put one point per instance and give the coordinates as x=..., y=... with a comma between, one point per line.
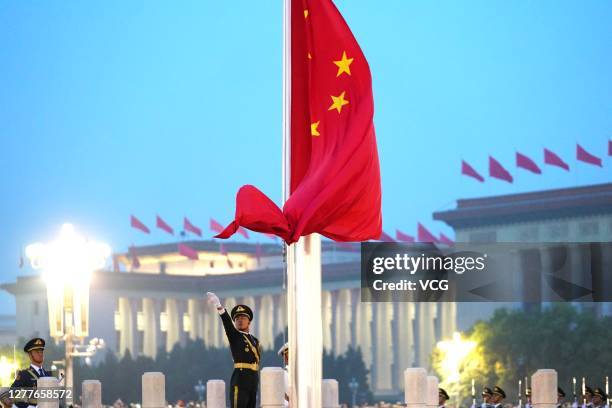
x=442, y=397
x=498, y=397
x=245, y=350
x=284, y=352
x=27, y=378
x=487, y=394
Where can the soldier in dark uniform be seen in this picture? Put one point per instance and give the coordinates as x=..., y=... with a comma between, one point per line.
x=498, y=397
x=560, y=397
x=587, y=397
x=599, y=398
x=487, y=394
x=442, y=397
x=28, y=377
x=246, y=352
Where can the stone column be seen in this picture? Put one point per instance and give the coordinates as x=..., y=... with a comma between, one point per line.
x=343, y=321
x=329, y=394
x=326, y=319
x=404, y=354
x=181, y=309
x=215, y=394
x=431, y=401
x=272, y=387
x=153, y=390
x=265, y=320
x=426, y=332
x=193, y=310
x=127, y=325
x=91, y=394
x=415, y=387
x=384, y=346
x=363, y=333
x=447, y=319
x=47, y=382
x=172, y=333
x=544, y=389
x=151, y=323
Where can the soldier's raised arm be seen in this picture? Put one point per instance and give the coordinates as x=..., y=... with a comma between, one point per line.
x=230, y=330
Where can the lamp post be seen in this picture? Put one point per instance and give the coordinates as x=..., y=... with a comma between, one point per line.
x=353, y=386
x=67, y=264
x=200, y=389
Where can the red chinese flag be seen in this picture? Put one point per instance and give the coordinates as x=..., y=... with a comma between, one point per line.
x=215, y=226
x=423, y=234
x=554, y=160
x=400, y=236
x=587, y=157
x=609, y=147
x=161, y=224
x=385, y=237
x=188, y=226
x=527, y=164
x=469, y=171
x=445, y=240
x=188, y=251
x=134, y=257
x=496, y=170
x=243, y=232
x=335, y=174
x=136, y=223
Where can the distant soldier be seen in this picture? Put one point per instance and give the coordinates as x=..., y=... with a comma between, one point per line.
x=442, y=397
x=528, y=398
x=560, y=397
x=246, y=353
x=587, y=397
x=599, y=398
x=487, y=394
x=498, y=397
x=27, y=378
x=284, y=353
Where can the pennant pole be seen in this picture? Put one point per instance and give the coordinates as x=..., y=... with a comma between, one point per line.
x=303, y=263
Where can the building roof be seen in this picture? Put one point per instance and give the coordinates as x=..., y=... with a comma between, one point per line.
x=189, y=285
x=533, y=206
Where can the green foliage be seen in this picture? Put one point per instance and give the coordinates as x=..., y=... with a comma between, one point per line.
x=513, y=344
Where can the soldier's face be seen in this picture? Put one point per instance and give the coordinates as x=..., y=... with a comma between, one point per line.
x=37, y=357
x=597, y=401
x=242, y=323
x=441, y=400
x=559, y=398
x=486, y=398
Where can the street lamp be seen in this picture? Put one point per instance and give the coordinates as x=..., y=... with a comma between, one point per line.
x=67, y=265
x=200, y=389
x=353, y=386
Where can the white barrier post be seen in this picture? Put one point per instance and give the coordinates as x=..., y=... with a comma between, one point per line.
x=47, y=382
x=91, y=394
x=215, y=394
x=153, y=390
x=329, y=394
x=272, y=387
x=415, y=387
x=432, y=399
x=544, y=389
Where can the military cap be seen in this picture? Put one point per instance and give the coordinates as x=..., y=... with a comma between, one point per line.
x=528, y=391
x=35, y=344
x=499, y=391
x=560, y=392
x=588, y=390
x=283, y=349
x=442, y=393
x=487, y=391
x=600, y=393
x=242, y=310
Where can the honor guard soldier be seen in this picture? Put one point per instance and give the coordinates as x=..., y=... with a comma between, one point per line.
x=442, y=397
x=599, y=398
x=588, y=397
x=284, y=353
x=560, y=397
x=27, y=378
x=245, y=350
x=498, y=397
x=487, y=394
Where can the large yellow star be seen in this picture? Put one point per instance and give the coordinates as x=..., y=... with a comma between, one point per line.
x=305, y=13
x=344, y=65
x=313, y=129
x=339, y=102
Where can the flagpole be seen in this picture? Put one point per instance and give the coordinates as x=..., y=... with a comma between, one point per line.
x=303, y=263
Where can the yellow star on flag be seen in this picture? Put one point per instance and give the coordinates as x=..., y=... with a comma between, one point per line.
x=344, y=65
x=313, y=129
x=339, y=102
x=306, y=13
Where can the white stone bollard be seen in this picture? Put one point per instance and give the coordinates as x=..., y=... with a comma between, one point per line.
x=544, y=389
x=153, y=390
x=415, y=387
x=329, y=394
x=431, y=401
x=272, y=387
x=91, y=394
x=47, y=382
x=215, y=394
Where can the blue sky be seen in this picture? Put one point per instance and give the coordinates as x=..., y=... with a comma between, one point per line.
x=109, y=108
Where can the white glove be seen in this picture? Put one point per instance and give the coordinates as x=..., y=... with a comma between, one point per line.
x=213, y=299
